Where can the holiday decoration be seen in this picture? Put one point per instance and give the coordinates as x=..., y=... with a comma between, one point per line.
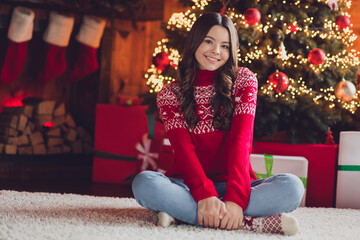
x=266, y=166
x=19, y=33
x=118, y=129
x=348, y=175
x=322, y=160
x=329, y=138
x=279, y=81
x=345, y=91
x=161, y=61
x=252, y=16
x=316, y=56
x=333, y=4
x=56, y=36
x=343, y=22
x=146, y=158
x=300, y=39
x=293, y=27
x=89, y=36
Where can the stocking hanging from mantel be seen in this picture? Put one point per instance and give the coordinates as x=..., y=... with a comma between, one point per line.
x=89, y=36
x=56, y=36
x=19, y=34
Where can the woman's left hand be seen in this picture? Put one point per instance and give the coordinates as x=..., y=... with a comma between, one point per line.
x=233, y=218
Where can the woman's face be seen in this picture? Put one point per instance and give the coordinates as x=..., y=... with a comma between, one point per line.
x=214, y=51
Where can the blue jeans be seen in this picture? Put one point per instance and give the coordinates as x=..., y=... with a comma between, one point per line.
x=270, y=196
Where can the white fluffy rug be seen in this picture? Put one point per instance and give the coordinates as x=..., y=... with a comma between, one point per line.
x=27, y=216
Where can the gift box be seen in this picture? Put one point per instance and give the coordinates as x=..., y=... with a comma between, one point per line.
x=266, y=166
x=348, y=175
x=166, y=155
x=321, y=169
x=119, y=131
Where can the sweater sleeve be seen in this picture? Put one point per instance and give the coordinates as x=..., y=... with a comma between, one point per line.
x=240, y=138
x=186, y=158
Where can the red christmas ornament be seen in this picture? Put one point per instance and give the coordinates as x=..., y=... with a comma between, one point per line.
x=293, y=27
x=343, y=22
x=316, y=56
x=252, y=16
x=161, y=61
x=279, y=81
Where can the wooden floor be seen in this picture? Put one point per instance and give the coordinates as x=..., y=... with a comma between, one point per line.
x=83, y=187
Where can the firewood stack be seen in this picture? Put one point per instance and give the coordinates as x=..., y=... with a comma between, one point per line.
x=41, y=127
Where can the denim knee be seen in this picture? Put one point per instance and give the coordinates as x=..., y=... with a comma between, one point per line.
x=295, y=188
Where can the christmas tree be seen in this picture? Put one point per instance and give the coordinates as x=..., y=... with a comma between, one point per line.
x=300, y=52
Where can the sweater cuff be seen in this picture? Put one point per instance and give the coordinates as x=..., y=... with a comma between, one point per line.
x=206, y=190
x=232, y=196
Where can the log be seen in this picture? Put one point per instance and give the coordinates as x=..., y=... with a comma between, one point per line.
x=54, y=132
x=36, y=138
x=60, y=110
x=52, y=141
x=71, y=135
x=22, y=122
x=43, y=118
x=70, y=121
x=55, y=150
x=28, y=150
x=8, y=132
x=39, y=149
x=10, y=149
x=45, y=107
x=58, y=121
x=9, y=120
x=23, y=140
x=28, y=111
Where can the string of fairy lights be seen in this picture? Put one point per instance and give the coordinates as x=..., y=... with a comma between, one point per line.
x=343, y=60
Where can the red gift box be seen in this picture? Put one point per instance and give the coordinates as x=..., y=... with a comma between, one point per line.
x=117, y=131
x=166, y=155
x=321, y=169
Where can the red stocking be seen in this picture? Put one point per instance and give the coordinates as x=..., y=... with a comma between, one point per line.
x=20, y=32
x=89, y=37
x=56, y=36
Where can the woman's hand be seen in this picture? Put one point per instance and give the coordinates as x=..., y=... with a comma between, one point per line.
x=210, y=212
x=233, y=218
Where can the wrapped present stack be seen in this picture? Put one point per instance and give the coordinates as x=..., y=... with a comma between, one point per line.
x=127, y=141
x=348, y=175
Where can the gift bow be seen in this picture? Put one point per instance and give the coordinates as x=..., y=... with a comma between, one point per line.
x=145, y=155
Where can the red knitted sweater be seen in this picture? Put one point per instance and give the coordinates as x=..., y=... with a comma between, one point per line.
x=204, y=155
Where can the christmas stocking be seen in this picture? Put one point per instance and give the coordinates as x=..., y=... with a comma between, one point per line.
x=20, y=32
x=277, y=224
x=56, y=36
x=89, y=37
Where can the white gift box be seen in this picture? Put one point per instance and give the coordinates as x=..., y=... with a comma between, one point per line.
x=348, y=175
x=266, y=166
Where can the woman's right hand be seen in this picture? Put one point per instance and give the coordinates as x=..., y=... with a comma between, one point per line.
x=210, y=212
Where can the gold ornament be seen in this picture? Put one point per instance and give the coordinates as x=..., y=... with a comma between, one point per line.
x=345, y=91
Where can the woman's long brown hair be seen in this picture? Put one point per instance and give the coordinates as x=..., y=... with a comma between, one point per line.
x=222, y=102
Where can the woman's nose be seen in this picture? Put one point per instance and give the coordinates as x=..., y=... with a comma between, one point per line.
x=216, y=48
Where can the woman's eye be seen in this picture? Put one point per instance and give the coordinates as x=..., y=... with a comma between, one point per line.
x=208, y=41
x=225, y=46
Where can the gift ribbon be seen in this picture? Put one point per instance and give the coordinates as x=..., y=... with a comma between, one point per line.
x=151, y=125
x=269, y=161
x=349, y=168
x=145, y=155
x=112, y=156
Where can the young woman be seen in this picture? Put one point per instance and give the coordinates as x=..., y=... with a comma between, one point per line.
x=208, y=114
